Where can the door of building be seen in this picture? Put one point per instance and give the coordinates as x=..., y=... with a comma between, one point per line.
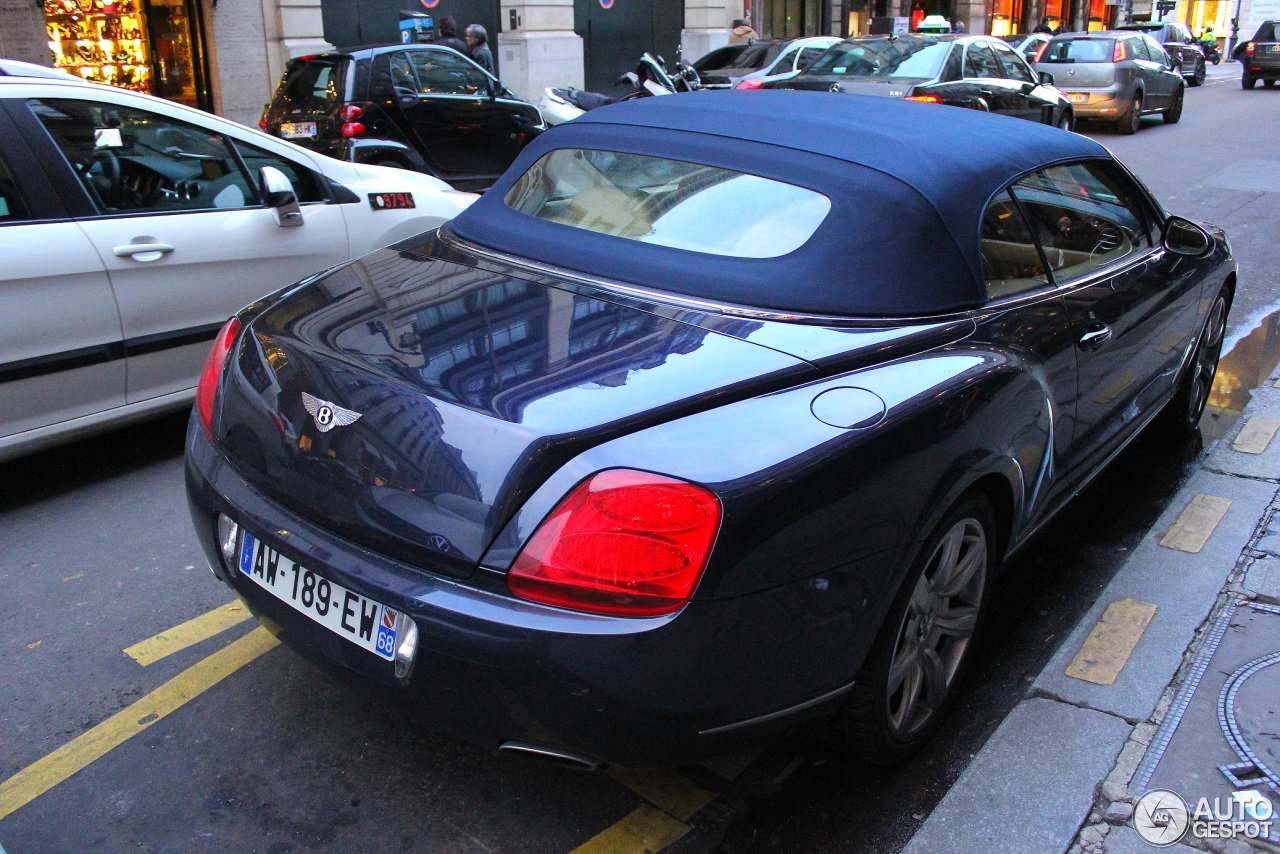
x=616, y=32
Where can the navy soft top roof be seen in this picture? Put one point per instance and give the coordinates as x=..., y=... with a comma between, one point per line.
x=908, y=183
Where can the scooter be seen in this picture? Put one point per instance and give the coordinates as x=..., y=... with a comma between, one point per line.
x=1211, y=52
x=649, y=79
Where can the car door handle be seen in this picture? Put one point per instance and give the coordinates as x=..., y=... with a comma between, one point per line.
x=986, y=92
x=131, y=249
x=1096, y=334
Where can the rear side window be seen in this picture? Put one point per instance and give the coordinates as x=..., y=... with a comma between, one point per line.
x=310, y=85
x=12, y=206
x=1078, y=50
x=980, y=62
x=1084, y=217
x=1011, y=261
x=669, y=203
x=1014, y=67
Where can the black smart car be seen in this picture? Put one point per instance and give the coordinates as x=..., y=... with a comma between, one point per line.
x=422, y=107
x=979, y=72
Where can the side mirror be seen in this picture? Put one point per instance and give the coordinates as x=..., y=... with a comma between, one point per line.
x=1046, y=78
x=1184, y=237
x=278, y=195
x=1028, y=88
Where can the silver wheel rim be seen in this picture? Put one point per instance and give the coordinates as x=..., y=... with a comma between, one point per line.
x=938, y=627
x=1206, y=365
x=1135, y=121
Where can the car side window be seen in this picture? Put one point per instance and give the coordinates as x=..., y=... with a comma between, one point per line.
x=402, y=76
x=807, y=56
x=132, y=160
x=1011, y=261
x=980, y=62
x=1157, y=51
x=1137, y=49
x=306, y=186
x=1084, y=217
x=13, y=207
x=1014, y=66
x=442, y=72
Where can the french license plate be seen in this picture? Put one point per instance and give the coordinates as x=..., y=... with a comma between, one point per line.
x=366, y=623
x=1079, y=97
x=297, y=130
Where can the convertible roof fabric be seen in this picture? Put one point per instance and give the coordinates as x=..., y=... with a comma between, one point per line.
x=908, y=183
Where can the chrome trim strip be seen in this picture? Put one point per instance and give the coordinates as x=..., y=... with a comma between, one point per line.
x=771, y=716
x=526, y=747
x=447, y=235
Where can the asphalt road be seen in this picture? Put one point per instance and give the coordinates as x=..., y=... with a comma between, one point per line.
x=212, y=748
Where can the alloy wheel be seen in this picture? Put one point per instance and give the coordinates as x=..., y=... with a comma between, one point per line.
x=1207, y=356
x=936, y=631
x=1135, y=114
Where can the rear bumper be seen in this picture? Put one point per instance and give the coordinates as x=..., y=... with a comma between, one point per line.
x=491, y=668
x=1269, y=69
x=1104, y=103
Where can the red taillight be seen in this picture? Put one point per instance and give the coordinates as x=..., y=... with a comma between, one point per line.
x=623, y=542
x=351, y=112
x=1248, y=48
x=350, y=129
x=750, y=84
x=1119, y=52
x=924, y=99
x=207, y=390
x=262, y=122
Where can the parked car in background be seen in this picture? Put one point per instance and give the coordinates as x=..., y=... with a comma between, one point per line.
x=769, y=59
x=422, y=107
x=1261, y=56
x=486, y=469
x=978, y=72
x=18, y=68
x=1118, y=76
x=1185, y=50
x=130, y=227
x=1028, y=44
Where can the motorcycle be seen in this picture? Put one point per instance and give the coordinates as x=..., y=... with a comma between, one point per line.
x=1211, y=52
x=649, y=79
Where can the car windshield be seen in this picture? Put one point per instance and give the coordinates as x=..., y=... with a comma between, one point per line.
x=1078, y=50
x=884, y=59
x=309, y=84
x=669, y=203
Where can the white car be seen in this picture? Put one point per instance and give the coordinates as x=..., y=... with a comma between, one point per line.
x=132, y=227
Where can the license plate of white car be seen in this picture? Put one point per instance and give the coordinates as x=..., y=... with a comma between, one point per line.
x=297, y=130
x=366, y=623
x=1079, y=97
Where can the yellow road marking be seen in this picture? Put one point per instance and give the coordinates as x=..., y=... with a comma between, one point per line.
x=666, y=790
x=1256, y=435
x=43, y=774
x=1196, y=524
x=645, y=831
x=1111, y=642
x=188, y=634
x=75, y=577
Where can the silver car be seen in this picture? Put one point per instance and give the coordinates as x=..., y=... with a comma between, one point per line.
x=1116, y=76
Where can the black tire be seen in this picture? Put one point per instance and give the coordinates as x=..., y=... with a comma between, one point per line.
x=1197, y=77
x=909, y=676
x=1268, y=83
x=1181, y=415
x=1247, y=81
x=1067, y=121
x=1217, y=59
x=1129, y=123
x=1174, y=114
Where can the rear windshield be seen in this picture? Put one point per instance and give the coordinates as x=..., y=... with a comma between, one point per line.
x=1266, y=32
x=884, y=59
x=740, y=62
x=669, y=203
x=311, y=84
x=1078, y=50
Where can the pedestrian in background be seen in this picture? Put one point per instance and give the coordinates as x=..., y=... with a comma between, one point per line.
x=1043, y=27
x=449, y=35
x=742, y=32
x=958, y=28
x=478, y=42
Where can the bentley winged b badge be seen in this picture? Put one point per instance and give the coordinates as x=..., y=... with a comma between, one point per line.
x=328, y=415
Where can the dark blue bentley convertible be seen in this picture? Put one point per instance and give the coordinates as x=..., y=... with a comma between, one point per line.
x=715, y=415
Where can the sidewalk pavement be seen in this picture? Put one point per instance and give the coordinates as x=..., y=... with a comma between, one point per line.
x=1171, y=682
